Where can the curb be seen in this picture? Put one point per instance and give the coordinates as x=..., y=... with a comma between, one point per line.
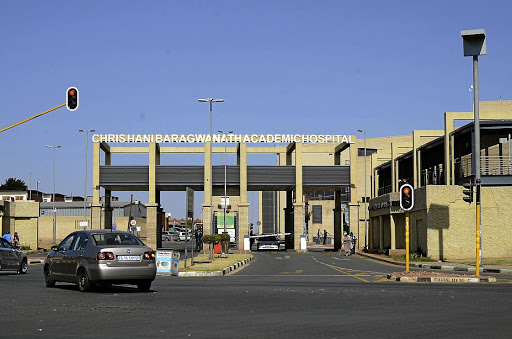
x=441, y=279
x=35, y=261
x=215, y=273
x=437, y=267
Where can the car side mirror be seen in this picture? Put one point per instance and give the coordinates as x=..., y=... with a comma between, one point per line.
x=55, y=248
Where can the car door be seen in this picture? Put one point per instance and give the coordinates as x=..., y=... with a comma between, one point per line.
x=8, y=256
x=75, y=255
x=58, y=258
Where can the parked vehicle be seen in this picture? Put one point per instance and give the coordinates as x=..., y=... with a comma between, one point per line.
x=268, y=242
x=12, y=259
x=169, y=235
x=100, y=257
x=186, y=234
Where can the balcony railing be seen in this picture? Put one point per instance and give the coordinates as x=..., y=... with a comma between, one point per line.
x=433, y=176
x=489, y=165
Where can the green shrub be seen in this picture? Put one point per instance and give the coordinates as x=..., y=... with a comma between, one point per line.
x=413, y=257
x=225, y=237
x=211, y=239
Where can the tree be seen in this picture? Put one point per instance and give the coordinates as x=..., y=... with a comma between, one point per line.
x=13, y=184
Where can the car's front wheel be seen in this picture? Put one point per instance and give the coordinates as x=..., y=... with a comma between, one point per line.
x=48, y=277
x=144, y=286
x=23, y=267
x=84, y=284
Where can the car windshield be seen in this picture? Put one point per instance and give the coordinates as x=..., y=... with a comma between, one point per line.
x=116, y=239
x=268, y=238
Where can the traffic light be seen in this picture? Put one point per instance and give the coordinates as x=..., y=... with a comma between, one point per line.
x=72, y=98
x=468, y=192
x=406, y=197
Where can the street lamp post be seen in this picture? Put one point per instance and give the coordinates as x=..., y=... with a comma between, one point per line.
x=85, y=183
x=211, y=101
x=225, y=175
x=475, y=44
x=53, y=199
x=365, y=196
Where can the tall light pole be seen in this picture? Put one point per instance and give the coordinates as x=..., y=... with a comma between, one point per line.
x=365, y=196
x=475, y=44
x=211, y=101
x=53, y=199
x=225, y=171
x=85, y=183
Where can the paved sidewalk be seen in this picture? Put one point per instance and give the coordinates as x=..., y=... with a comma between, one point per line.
x=442, y=265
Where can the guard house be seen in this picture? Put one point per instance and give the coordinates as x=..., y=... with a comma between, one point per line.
x=436, y=164
x=291, y=177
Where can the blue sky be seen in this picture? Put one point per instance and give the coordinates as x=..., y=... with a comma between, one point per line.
x=315, y=67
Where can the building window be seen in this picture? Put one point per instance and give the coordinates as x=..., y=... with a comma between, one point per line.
x=369, y=151
x=317, y=214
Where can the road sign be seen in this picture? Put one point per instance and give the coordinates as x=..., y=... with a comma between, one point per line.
x=133, y=222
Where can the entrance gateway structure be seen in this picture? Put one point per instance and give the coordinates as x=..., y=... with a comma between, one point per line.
x=290, y=177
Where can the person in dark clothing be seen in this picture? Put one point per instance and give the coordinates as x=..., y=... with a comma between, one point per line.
x=251, y=239
x=325, y=236
x=199, y=242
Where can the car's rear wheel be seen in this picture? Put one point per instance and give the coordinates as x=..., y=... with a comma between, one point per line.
x=144, y=286
x=48, y=277
x=84, y=284
x=23, y=267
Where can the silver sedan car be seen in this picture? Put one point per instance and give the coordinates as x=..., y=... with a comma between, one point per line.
x=12, y=259
x=101, y=257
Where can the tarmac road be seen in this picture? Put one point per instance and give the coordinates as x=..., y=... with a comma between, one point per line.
x=285, y=294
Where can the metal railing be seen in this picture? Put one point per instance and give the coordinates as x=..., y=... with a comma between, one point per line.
x=433, y=176
x=489, y=165
x=384, y=190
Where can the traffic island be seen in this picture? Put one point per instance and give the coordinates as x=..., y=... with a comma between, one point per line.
x=437, y=277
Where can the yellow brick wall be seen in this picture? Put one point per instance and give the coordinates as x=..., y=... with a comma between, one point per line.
x=448, y=224
x=67, y=224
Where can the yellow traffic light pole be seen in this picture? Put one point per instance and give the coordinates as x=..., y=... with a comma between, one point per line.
x=35, y=116
x=407, y=241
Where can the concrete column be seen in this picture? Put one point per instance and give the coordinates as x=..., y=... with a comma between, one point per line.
x=369, y=238
x=243, y=223
x=393, y=231
x=298, y=225
x=338, y=220
x=289, y=221
x=151, y=222
x=107, y=210
x=298, y=174
x=153, y=198
x=207, y=205
x=242, y=157
x=381, y=233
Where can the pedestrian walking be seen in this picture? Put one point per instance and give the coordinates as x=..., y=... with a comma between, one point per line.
x=318, y=234
x=346, y=243
x=325, y=236
x=353, y=241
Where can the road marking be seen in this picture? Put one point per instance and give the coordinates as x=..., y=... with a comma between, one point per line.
x=296, y=272
x=292, y=275
x=348, y=274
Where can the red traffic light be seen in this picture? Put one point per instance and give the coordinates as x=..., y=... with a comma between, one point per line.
x=406, y=197
x=72, y=98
